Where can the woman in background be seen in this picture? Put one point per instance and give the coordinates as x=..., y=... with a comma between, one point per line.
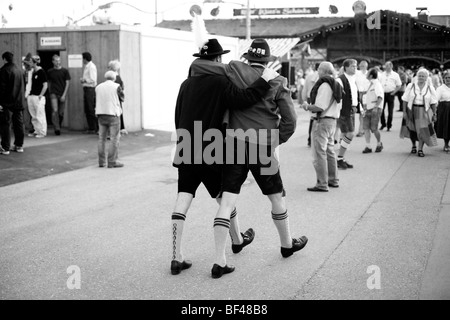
x=114, y=65
x=443, y=111
x=419, y=112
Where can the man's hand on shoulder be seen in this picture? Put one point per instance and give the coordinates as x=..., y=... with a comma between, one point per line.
x=269, y=74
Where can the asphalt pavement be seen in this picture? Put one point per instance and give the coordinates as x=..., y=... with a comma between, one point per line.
x=72, y=230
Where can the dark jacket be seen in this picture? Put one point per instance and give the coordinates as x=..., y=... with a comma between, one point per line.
x=12, y=94
x=347, y=105
x=205, y=98
x=275, y=111
x=335, y=86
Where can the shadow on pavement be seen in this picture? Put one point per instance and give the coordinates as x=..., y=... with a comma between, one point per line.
x=71, y=151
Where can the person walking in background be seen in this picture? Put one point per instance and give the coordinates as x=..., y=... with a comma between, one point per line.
x=325, y=105
x=372, y=104
x=436, y=78
x=108, y=97
x=114, y=65
x=350, y=103
x=363, y=84
x=89, y=82
x=404, y=78
x=442, y=124
x=390, y=80
x=419, y=112
x=36, y=99
x=11, y=105
x=28, y=76
x=310, y=81
x=58, y=86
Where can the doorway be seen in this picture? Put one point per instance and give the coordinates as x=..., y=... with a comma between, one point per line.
x=47, y=64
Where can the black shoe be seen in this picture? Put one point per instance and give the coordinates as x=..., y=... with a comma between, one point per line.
x=333, y=185
x=248, y=237
x=176, y=267
x=57, y=132
x=342, y=164
x=297, y=245
x=379, y=148
x=367, y=150
x=382, y=127
x=116, y=165
x=349, y=166
x=388, y=129
x=315, y=189
x=218, y=271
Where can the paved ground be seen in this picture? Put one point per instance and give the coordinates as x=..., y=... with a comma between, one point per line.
x=382, y=235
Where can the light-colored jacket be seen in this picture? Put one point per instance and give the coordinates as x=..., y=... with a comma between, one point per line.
x=429, y=98
x=108, y=99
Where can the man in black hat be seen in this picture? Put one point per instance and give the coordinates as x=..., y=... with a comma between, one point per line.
x=269, y=123
x=201, y=105
x=11, y=105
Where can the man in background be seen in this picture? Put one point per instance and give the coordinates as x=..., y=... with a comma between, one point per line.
x=58, y=86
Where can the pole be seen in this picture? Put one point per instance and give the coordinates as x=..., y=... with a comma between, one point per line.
x=156, y=12
x=249, y=23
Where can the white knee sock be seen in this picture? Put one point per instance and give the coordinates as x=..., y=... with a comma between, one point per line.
x=282, y=223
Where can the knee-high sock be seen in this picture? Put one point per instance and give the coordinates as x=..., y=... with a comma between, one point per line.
x=345, y=144
x=235, y=231
x=178, y=220
x=221, y=230
x=282, y=223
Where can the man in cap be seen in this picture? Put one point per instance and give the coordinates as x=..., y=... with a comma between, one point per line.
x=11, y=105
x=200, y=108
x=269, y=123
x=36, y=99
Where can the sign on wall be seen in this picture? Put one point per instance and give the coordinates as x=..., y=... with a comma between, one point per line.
x=75, y=61
x=51, y=41
x=276, y=11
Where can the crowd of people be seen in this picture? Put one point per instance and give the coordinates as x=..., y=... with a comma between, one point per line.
x=25, y=90
x=238, y=97
x=334, y=98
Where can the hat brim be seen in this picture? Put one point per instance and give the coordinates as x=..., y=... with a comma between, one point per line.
x=261, y=59
x=198, y=55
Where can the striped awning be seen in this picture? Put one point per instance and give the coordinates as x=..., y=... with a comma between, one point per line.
x=278, y=47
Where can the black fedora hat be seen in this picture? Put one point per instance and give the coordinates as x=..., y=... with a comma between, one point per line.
x=210, y=49
x=259, y=51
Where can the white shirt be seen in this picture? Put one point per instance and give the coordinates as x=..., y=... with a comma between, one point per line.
x=107, y=99
x=90, y=75
x=443, y=93
x=323, y=100
x=361, y=81
x=374, y=92
x=390, y=81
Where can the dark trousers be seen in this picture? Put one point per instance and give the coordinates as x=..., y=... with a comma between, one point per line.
x=89, y=108
x=399, y=96
x=16, y=117
x=389, y=101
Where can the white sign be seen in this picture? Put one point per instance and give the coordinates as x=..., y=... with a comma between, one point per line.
x=51, y=41
x=75, y=61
